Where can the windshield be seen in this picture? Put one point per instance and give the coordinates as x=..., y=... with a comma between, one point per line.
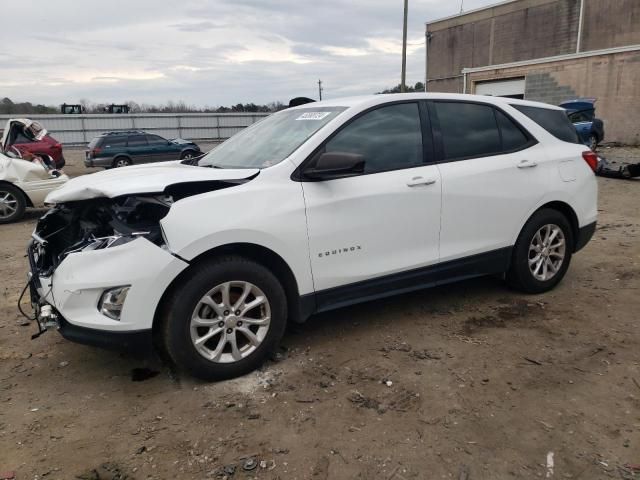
x=271, y=140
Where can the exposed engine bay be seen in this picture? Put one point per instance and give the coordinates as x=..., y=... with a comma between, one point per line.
x=97, y=224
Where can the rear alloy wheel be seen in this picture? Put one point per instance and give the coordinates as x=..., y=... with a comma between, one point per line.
x=12, y=204
x=546, y=252
x=224, y=319
x=121, y=162
x=593, y=142
x=542, y=253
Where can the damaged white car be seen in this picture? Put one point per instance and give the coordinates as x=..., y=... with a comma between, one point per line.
x=315, y=207
x=24, y=182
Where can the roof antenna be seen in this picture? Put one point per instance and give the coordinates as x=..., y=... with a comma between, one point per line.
x=461, y=5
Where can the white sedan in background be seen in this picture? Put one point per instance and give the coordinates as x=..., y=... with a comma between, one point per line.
x=23, y=183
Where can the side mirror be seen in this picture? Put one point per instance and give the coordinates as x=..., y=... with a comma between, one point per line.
x=335, y=165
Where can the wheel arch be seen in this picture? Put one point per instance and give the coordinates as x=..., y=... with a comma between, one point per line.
x=186, y=150
x=258, y=254
x=24, y=194
x=566, y=210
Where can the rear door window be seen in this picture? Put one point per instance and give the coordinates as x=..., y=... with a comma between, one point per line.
x=555, y=122
x=469, y=130
x=137, y=141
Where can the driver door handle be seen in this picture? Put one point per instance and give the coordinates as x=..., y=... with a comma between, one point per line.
x=416, y=181
x=527, y=164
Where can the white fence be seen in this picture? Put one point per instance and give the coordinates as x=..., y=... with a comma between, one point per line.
x=80, y=129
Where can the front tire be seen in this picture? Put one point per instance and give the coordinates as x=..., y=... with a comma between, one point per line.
x=188, y=155
x=12, y=203
x=542, y=253
x=226, y=317
x=593, y=142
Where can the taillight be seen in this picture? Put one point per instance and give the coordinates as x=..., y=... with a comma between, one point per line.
x=591, y=158
x=95, y=151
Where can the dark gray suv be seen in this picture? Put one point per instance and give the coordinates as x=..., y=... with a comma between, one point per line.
x=119, y=149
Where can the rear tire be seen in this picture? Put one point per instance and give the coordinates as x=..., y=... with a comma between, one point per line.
x=593, y=142
x=215, y=335
x=12, y=203
x=542, y=253
x=121, y=162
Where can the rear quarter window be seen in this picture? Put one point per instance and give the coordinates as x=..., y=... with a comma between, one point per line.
x=94, y=143
x=555, y=122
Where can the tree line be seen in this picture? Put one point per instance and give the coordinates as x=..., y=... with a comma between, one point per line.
x=8, y=107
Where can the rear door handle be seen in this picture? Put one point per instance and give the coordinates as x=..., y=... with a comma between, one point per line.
x=416, y=181
x=527, y=164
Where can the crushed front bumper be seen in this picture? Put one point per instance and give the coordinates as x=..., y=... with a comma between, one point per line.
x=74, y=289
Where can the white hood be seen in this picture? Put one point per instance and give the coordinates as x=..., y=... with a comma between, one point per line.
x=139, y=179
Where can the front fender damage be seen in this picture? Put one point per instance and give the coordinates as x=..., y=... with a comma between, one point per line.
x=102, y=222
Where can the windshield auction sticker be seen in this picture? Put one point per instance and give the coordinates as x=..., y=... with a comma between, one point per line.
x=313, y=115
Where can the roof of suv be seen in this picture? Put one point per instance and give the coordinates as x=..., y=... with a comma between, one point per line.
x=123, y=132
x=366, y=100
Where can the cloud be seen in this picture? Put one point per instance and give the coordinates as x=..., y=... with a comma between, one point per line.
x=210, y=52
x=196, y=26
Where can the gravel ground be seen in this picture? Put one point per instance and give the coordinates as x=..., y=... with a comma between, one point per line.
x=471, y=381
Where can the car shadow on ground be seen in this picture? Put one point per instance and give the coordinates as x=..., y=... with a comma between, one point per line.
x=395, y=314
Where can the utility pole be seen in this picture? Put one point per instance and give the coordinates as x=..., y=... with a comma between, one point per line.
x=320, y=89
x=403, y=78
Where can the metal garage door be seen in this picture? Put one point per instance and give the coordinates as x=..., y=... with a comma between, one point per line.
x=512, y=88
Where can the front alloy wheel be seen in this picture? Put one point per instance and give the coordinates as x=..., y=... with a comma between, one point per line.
x=230, y=322
x=12, y=204
x=224, y=317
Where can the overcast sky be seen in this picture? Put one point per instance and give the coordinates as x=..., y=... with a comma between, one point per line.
x=216, y=52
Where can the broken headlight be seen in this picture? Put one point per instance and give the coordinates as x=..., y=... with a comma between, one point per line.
x=106, y=242
x=97, y=224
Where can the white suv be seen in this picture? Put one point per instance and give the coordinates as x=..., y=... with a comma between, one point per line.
x=313, y=208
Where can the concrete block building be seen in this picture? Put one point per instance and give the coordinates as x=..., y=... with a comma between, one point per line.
x=545, y=50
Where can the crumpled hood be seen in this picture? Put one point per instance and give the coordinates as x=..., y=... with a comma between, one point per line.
x=140, y=179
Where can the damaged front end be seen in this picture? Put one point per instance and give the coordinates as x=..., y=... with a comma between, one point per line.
x=96, y=224
x=77, y=284
x=86, y=226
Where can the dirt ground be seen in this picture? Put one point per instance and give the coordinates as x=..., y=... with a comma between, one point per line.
x=471, y=381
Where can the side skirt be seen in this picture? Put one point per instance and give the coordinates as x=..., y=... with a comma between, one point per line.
x=488, y=263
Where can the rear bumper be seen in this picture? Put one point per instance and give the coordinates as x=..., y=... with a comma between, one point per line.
x=98, y=162
x=584, y=235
